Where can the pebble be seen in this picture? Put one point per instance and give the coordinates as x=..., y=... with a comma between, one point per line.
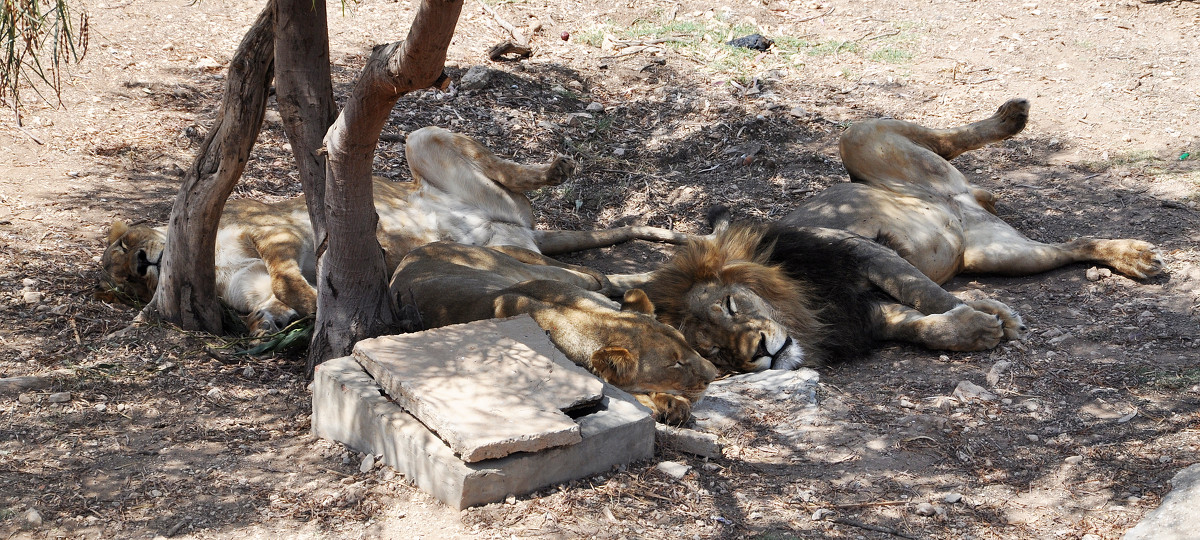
x=28, y=283
x=952, y=498
x=31, y=519
x=925, y=509
x=618, y=151
x=595, y=106
x=26, y=399
x=1073, y=460
x=476, y=78
x=59, y=397
x=1032, y=437
x=821, y=513
x=33, y=297
x=214, y=393
x=907, y=404
x=248, y=372
x=367, y=464
x=100, y=407
x=674, y=469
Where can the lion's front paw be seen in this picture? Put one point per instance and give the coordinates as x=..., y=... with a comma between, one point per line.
x=270, y=319
x=559, y=170
x=667, y=408
x=1014, y=328
x=1133, y=258
x=963, y=328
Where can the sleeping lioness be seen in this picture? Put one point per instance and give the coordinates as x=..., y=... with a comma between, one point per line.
x=863, y=261
x=265, y=258
x=446, y=283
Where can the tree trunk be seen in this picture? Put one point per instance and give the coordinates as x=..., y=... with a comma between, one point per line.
x=304, y=93
x=352, y=301
x=186, y=293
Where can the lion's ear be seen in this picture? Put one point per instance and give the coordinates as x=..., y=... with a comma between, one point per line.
x=615, y=364
x=636, y=300
x=118, y=228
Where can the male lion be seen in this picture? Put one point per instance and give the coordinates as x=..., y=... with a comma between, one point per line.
x=265, y=258
x=447, y=283
x=864, y=260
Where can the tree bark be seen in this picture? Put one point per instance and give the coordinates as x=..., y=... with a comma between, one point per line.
x=186, y=293
x=352, y=301
x=304, y=94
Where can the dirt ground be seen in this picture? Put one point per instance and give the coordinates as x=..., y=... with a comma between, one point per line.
x=169, y=434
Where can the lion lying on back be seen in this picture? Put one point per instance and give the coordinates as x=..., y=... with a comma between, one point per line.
x=265, y=258
x=863, y=261
x=446, y=283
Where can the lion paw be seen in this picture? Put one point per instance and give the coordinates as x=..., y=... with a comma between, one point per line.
x=559, y=170
x=667, y=408
x=270, y=319
x=963, y=328
x=1133, y=258
x=1014, y=328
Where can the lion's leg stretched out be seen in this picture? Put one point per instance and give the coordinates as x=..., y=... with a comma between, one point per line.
x=462, y=170
x=994, y=247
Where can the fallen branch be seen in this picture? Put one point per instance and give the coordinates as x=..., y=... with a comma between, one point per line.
x=497, y=52
x=512, y=30
x=870, y=527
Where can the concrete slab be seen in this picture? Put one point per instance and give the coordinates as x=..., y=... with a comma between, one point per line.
x=487, y=388
x=349, y=406
x=1175, y=518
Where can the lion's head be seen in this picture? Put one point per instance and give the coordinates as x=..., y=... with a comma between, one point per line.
x=733, y=306
x=629, y=347
x=129, y=265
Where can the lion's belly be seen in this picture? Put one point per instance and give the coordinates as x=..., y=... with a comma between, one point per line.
x=448, y=219
x=242, y=279
x=927, y=235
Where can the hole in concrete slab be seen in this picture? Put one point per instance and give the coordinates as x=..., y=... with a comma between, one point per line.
x=587, y=408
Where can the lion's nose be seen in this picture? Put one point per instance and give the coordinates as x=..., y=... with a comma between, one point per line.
x=762, y=347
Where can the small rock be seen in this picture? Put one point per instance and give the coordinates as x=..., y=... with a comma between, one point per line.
x=59, y=397
x=31, y=519
x=29, y=283
x=1073, y=460
x=60, y=309
x=26, y=399
x=821, y=513
x=248, y=372
x=156, y=493
x=1092, y=274
x=907, y=404
x=511, y=499
x=100, y=407
x=33, y=297
x=594, y=107
x=997, y=371
x=214, y=393
x=925, y=509
x=618, y=151
x=798, y=112
x=952, y=498
x=755, y=516
x=475, y=78
x=1032, y=437
x=367, y=464
x=674, y=469
x=967, y=390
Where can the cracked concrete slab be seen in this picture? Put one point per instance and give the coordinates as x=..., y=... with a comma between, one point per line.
x=488, y=388
x=349, y=406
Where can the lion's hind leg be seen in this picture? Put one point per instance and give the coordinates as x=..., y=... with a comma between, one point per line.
x=1008, y=120
x=444, y=159
x=994, y=247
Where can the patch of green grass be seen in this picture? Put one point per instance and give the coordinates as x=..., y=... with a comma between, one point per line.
x=889, y=55
x=1170, y=380
x=833, y=46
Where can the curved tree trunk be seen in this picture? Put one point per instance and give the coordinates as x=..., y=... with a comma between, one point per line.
x=186, y=294
x=352, y=301
x=304, y=93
